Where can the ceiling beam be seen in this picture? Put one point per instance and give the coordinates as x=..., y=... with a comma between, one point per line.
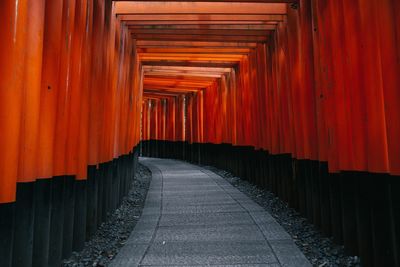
x=174, y=89
x=232, y=50
x=201, y=80
x=181, y=74
x=218, y=64
x=190, y=32
x=205, y=27
x=190, y=56
x=216, y=38
x=202, y=23
x=176, y=84
x=167, y=92
x=181, y=68
x=159, y=7
x=193, y=44
x=160, y=94
x=200, y=17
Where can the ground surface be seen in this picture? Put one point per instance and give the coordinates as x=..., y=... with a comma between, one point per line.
x=194, y=217
x=112, y=234
x=319, y=250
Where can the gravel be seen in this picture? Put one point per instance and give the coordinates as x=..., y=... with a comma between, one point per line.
x=319, y=250
x=112, y=234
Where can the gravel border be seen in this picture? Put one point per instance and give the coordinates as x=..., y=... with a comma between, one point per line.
x=319, y=250
x=112, y=234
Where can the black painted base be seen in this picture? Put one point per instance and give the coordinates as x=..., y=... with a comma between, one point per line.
x=23, y=230
x=7, y=225
x=53, y=217
x=41, y=234
x=359, y=210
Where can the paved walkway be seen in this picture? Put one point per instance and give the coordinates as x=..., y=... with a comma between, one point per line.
x=193, y=217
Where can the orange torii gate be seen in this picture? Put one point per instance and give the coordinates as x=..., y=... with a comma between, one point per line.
x=301, y=97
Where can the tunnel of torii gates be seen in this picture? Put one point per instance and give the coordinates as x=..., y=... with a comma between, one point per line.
x=301, y=97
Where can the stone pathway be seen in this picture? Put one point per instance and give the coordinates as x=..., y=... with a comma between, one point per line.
x=193, y=217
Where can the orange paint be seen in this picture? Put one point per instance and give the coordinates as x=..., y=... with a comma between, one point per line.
x=82, y=82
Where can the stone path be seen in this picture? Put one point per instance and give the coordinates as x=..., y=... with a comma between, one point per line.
x=193, y=217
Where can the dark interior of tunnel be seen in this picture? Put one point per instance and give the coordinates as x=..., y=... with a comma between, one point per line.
x=300, y=97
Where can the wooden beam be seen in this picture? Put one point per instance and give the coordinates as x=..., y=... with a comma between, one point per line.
x=197, y=22
x=200, y=17
x=195, y=50
x=159, y=7
x=190, y=32
x=189, y=63
x=168, y=92
x=193, y=44
x=181, y=74
x=158, y=79
x=176, y=84
x=216, y=38
x=190, y=56
x=160, y=94
x=205, y=27
x=182, y=68
x=176, y=90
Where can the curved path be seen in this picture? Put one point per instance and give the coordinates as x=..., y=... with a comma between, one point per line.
x=193, y=217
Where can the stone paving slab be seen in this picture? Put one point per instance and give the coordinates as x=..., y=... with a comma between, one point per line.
x=203, y=209
x=199, y=200
x=221, y=218
x=211, y=233
x=193, y=217
x=196, y=202
x=203, y=253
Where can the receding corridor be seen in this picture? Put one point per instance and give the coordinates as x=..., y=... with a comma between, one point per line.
x=297, y=99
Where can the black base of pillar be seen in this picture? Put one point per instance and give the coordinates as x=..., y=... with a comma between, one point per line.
x=92, y=198
x=42, y=223
x=382, y=222
x=53, y=217
x=363, y=215
x=69, y=213
x=23, y=231
x=349, y=221
x=336, y=207
x=56, y=221
x=100, y=194
x=107, y=189
x=326, y=221
x=79, y=224
x=7, y=224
